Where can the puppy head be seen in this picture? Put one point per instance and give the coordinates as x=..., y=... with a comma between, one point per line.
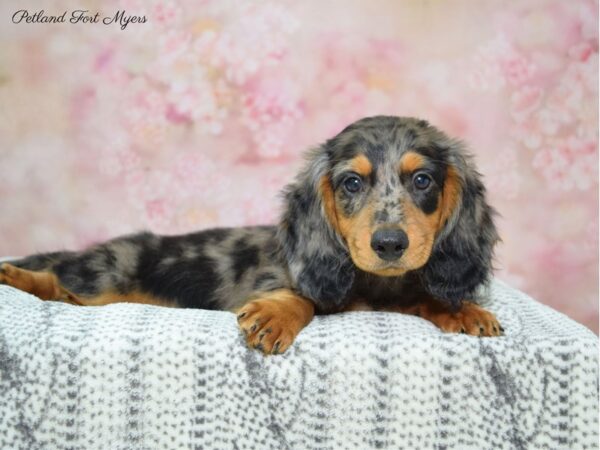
x=389, y=196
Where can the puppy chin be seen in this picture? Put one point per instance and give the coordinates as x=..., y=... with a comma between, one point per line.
x=390, y=271
x=383, y=268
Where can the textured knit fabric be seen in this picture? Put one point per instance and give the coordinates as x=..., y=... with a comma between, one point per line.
x=134, y=376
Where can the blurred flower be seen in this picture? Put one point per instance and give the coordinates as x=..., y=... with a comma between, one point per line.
x=174, y=45
x=568, y=164
x=502, y=176
x=144, y=113
x=167, y=12
x=498, y=62
x=199, y=116
x=193, y=99
x=517, y=69
x=194, y=172
x=524, y=101
x=159, y=214
x=256, y=37
x=270, y=109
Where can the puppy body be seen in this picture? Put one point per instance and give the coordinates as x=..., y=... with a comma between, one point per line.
x=389, y=213
x=211, y=269
x=219, y=269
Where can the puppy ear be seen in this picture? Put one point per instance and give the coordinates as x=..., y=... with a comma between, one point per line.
x=317, y=258
x=461, y=260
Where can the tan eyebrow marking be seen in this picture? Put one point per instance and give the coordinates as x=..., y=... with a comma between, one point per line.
x=361, y=165
x=411, y=162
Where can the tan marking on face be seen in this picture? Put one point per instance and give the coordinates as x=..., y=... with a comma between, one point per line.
x=361, y=165
x=420, y=228
x=411, y=162
x=357, y=232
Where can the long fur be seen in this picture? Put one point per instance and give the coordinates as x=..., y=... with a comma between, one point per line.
x=306, y=252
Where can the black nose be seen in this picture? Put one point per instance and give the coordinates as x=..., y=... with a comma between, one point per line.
x=389, y=244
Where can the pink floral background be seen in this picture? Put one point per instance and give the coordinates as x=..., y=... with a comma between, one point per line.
x=199, y=116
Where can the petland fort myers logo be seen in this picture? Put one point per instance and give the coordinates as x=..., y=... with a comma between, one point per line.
x=120, y=18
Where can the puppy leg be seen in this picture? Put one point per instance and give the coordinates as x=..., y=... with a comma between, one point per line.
x=470, y=318
x=47, y=286
x=272, y=320
x=44, y=285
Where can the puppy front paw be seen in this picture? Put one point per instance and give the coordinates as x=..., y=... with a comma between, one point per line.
x=470, y=319
x=272, y=321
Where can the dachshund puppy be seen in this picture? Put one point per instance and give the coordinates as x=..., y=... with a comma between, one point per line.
x=390, y=215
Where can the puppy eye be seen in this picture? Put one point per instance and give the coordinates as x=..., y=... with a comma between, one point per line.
x=353, y=184
x=421, y=181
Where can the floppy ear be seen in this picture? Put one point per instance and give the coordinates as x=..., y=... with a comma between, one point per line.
x=317, y=258
x=461, y=260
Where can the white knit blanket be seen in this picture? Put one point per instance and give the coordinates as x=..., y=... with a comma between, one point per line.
x=130, y=376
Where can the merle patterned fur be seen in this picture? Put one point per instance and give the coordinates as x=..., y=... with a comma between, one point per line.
x=224, y=268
